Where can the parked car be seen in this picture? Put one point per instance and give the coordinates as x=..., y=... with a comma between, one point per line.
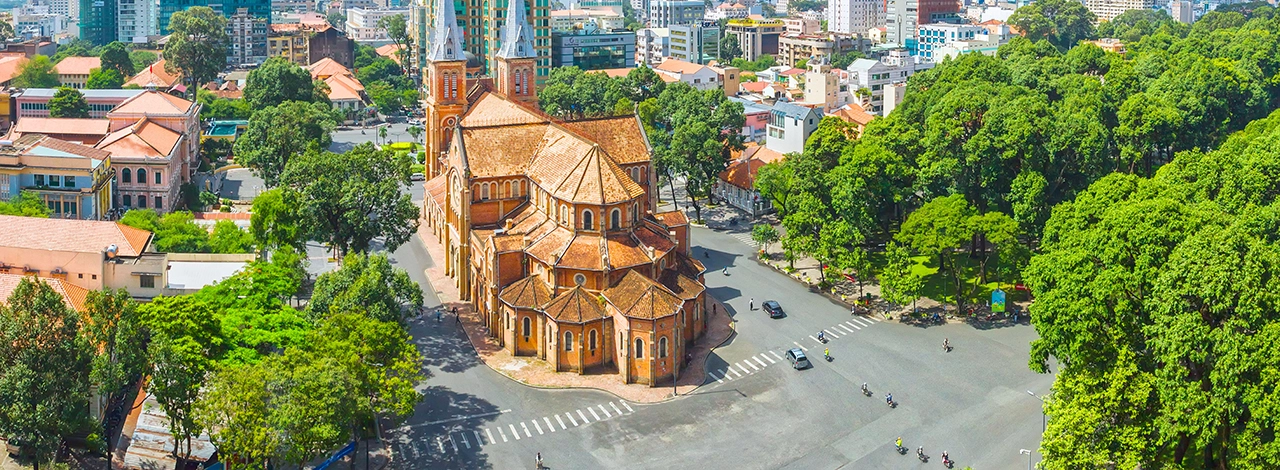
x=797, y=359
x=774, y=309
x=417, y=177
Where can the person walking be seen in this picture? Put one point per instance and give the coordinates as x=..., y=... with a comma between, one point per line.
x=751, y=304
x=438, y=313
x=725, y=271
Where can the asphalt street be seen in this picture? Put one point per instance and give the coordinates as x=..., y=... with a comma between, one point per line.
x=344, y=140
x=754, y=412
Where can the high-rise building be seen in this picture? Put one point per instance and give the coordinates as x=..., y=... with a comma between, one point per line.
x=697, y=43
x=248, y=38
x=756, y=37
x=1106, y=10
x=258, y=8
x=98, y=21
x=137, y=19
x=854, y=16
x=904, y=16
x=481, y=22
x=1182, y=11
x=664, y=13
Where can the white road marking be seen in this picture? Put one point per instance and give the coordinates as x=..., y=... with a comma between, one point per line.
x=538, y=427
x=440, y=442
x=762, y=364
x=549, y=426
x=775, y=354
x=615, y=408
x=584, y=418
x=801, y=346
x=500, y=433
x=514, y=433
x=833, y=335
x=479, y=440
x=853, y=324
x=713, y=375
x=561, y=421
x=735, y=372
x=593, y=413
x=458, y=418
x=814, y=338
x=465, y=442
x=766, y=356
x=624, y=405
x=571, y=420
x=606, y=412
x=845, y=329
x=744, y=369
x=526, y=430
x=752, y=364
x=863, y=322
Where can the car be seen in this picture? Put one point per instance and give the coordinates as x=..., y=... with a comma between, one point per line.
x=773, y=308
x=417, y=177
x=797, y=359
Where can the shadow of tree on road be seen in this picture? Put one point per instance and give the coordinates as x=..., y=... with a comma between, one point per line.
x=446, y=432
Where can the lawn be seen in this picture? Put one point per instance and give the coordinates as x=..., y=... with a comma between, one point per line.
x=938, y=286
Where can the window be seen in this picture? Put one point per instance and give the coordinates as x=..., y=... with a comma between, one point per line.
x=158, y=204
x=579, y=279
x=126, y=200
x=615, y=219
x=157, y=177
x=662, y=347
x=506, y=189
x=125, y=176
x=635, y=212
x=528, y=327
x=146, y=281
x=39, y=180
x=484, y=192
x=142, y=176
x=587, y=223
x=568, y=341
x=591, y=340
x=639, y=348
x=68, y=181
x=142, y=202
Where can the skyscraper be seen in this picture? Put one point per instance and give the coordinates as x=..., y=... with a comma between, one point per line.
x=481, y=23
x=137, y=19
x=227, y=8
x=247, y=25
x=854, y=16
x=904, y=16
x=98, y=21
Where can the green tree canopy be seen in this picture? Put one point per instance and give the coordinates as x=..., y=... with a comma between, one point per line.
x=276, y=81
x=68, y=103
x=104, y=79
x=36, y=73
x=367, y=283
x=26, y=204
x=115, y=56
x=197, y=45
x=227, y=237
x=276, y=220
x=1061, y=22
x=278, y=134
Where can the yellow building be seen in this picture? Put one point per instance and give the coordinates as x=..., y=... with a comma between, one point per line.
x=73, y=180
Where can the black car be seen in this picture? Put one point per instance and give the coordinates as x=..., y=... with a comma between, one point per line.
x=773, y=309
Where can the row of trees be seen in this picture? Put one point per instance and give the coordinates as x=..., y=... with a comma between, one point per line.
x=118, y=64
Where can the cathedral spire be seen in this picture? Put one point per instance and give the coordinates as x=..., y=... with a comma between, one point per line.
x=517, y=34
x=446, y=38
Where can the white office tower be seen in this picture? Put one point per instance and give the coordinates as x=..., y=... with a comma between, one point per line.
x=1181, y=11
x=854, y=16
x=1106, y=10
x=901, y=21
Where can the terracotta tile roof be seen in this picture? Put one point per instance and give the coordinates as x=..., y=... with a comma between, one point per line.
x=437, y=188
x=500, y=151
x=625, y=251
x=576, y=170
x=73, y=65
x=70, y=147
x=155, y=76
x=852, y=113
x=72, y=295
x=80, y=236
x=672, y=218
x=681, y=285
x=576, y=305
x=530, y=292
x=742, y=171
x=754, y=87
x=667, y=78
x=548, y=247
x=64, y=126
x=584, y=252
x=616, y=73
x=660, y=242
x=491, y=110
x=637, y=296
x=679, y=66
x=344, y=88
x=153, y=103
x=327, y=67
x=389, y=51
x=621, y=137
x=9, y=67
x=791, y=71
x=143, y=139
x=508, y=243
x=306, y=26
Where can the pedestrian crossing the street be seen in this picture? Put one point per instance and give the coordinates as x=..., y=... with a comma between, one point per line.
x=759, y=362
x=410, y=451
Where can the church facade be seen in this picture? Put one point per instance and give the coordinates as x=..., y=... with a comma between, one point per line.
x=549, y=226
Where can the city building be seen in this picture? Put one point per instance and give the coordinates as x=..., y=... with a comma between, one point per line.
x=74, y=71
x=1106, y=10
x=755, y=128
x=790, y=126
x=904, y=16
x=81, y=131
x=936, y=35
x=653, y=45
x=34, y=102
x=548, y=227
x=362, y=23
x=35, y=25
x=248, y=39
x=736, y=184
x=598, y=51
x=822, y=87
x=155, y=77
x=726, y=11
x=664, y=13
x=1182, y=11
x=306, y=44
x=729, y=78
x=482, y=22
x=792, y=49
x=345, y=91
x=756, y=35
x=73, y=180
x=590, y=21
x=800, y=26
x=98, y=21
x=854, y=17
x=700, y=77
x=137, y=20
x=875, y=75
x=614, y=4
x=1110, y=45
x=293, y=6
x=89, y=254
x=853, y=114
x=697, y=42
x=227, y=8
x=67, y=8
x=154, y=144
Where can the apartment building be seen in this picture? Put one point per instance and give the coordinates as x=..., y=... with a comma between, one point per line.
x=362, y=23
x=854, y=16
x=875, y=75
x=653, y=45
x=697, y=43
x=136, y=20
x=1107, y=10
x=664, y=13
x=756, y=35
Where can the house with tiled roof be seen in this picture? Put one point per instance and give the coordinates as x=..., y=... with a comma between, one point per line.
x=90, y=254
x=155, y=77
x=700, y=77
x=736, y=184
x=72, y=295
x=74, y=71
x=345, y=91
x=85, y=131
x=9, y=68
x=854, y=114
x=549, y=227
x=72, y=180
x=154, y=144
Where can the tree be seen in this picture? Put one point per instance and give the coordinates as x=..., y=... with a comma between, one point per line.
x=572, y=93
x=6, y=31
x=68, y=103
x=185, y=341
x=898, y=284
x=764, y=235
x=690, y=140
x=197, y=44
x=730, y=48
x=142, y=59
x=382, y=133
x=236, y=409
x=76, y=48
x=842, y=60
x=1061, y=22
x=277, y=134
x=366, y=283
x=115, y=56
x=642, y=83
x=115, y=332
x=337, y=20
x=177, y=232
x=227, y=237
x=350, y=199
x=397, y=31
x=104, y=79
x=43, y=383
x=939, y=229
x=277, y=80
x=26, y=204
x=276, y=220
x=36, y=73
x=415, y=132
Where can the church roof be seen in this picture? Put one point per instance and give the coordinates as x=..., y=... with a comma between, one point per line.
x=517, y=34
x=574, y=169
x=446, y=40
x=491, y=110
x=576, y=305
x=637, y=296
x=530, y=292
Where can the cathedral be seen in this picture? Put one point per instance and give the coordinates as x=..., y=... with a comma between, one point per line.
x=549, y=226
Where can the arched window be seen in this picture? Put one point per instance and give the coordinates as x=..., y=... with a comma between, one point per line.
x=587, y=223
x=528, y=327
x=127, y=199
x=506, y=189
x=484, y=192
x=517, y=80
x=591, y=340
x=662, y=347
x=639, y=348
x=126, y=176
x=564, y=214
x=615, y=219
x=568, y=341
x=142, y=176
x=635, y=212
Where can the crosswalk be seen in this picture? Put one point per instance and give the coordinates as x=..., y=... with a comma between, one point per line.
x=744, y=237
x=459, y=440
x=757, y=363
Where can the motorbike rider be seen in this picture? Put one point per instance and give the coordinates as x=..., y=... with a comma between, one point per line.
x=946, y=344
x=899, y=442
x=822, y=337
x=864, y=387
x=888, y=398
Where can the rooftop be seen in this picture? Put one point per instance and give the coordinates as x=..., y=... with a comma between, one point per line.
x=72, y=295
x=77, y=65
x=33, y=125
x=153, y=103
x=192, y=275
x=80, y=236
x=88, y=94
x=679, y=66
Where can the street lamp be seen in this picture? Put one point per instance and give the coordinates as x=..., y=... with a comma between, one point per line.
x=1044, y=419
x=1028, y=454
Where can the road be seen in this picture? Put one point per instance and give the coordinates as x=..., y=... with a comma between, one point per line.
x=344, y=140
x=755, y=412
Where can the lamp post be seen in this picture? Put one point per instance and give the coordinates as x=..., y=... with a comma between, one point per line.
x=1028, y=454
x=1044, y=419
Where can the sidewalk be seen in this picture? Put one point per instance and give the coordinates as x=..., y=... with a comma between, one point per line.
x=537, y=373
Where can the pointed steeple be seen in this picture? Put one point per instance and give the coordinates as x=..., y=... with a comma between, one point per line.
x=517, y=34
x=446, y=37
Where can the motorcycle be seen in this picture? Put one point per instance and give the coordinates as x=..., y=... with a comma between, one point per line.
x=920, y=455
x=946, y=462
